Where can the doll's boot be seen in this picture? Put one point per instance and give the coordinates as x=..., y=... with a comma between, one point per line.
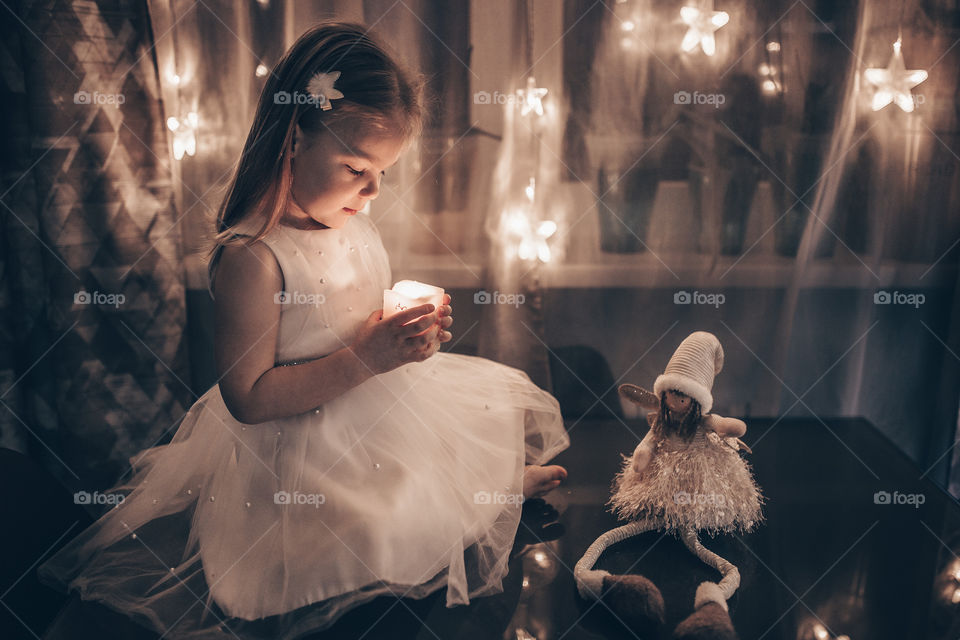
x=636, y=601
x=710, y=620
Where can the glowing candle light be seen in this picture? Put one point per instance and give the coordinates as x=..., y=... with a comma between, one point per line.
x=410, y=293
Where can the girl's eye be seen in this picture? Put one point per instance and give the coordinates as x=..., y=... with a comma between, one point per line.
x=360, y=172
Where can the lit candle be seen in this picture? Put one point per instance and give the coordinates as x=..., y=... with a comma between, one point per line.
x=410, y=293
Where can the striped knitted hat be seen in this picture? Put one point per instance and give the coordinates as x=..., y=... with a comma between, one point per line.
x=692, y=367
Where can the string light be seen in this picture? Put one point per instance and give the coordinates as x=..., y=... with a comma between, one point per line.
x=531, y=98
x=701, y=24
x=184, y=134
x=531, y=238
x=895, y=82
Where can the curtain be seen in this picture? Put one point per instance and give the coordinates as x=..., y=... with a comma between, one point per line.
x=94, y=361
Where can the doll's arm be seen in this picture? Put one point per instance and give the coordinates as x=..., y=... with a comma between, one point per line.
x=643, y=453
x=726, y=427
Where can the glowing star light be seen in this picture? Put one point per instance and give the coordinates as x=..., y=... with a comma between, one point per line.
x=894, y=83
x=531, y=237
x=701, y=23
x=531, y=98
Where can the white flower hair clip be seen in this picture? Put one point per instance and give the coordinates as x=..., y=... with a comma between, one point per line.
x=321, y=88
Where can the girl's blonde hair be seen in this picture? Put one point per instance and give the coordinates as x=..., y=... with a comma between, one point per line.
x=379, y=95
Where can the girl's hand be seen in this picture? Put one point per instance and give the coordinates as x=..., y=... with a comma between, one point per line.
x=384, y=345
x=446, y=319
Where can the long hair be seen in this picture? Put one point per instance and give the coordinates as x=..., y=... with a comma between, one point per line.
x=686, y=429
x=379, y=95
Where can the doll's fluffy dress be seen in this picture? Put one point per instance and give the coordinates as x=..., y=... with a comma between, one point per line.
x=420, y=470
x=703, y=484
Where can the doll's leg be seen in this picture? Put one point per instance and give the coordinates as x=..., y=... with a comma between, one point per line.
x=709, y=591
x=633, y=599
x=590, y=580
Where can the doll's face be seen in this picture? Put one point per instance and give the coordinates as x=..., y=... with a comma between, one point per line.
x=678, y=403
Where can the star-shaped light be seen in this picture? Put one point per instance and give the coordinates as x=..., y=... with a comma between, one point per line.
x=321, y=88
x=894, y=83
x=518, y=222
x=701, y=23
x=531, y=98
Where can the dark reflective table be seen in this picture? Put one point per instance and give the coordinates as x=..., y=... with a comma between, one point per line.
x=856, y=543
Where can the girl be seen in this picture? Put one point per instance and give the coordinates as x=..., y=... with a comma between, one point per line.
x=340, y=457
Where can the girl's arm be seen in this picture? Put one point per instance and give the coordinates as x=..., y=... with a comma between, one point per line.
x=247, y=327
x=726, y=427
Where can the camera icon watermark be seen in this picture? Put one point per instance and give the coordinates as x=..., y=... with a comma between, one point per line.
x=699, y=297
x=497, y=497
x=85, y=497
x=97, y=98
x=299, y=498
x=715, y=100
x=497, y=97
x=299, y=297
x=99, y=298
x=899, y=297
x=912, y=499
x=486, y=297
x=296, y=97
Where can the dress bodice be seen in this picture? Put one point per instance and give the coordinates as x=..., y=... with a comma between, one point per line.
x=332, y=280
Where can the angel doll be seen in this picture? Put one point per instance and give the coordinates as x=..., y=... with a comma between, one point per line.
x=685, y=476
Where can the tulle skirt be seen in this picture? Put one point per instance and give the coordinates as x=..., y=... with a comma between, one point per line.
x=408, y=483
x=703, y=484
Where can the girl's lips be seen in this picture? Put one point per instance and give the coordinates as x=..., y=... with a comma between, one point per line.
x=349, y=211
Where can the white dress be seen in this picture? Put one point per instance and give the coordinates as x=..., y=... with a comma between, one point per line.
x=405, y=484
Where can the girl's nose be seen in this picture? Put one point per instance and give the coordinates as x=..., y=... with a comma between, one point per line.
x=372, y=188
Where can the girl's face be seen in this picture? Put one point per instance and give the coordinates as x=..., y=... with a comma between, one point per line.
x=334, y=177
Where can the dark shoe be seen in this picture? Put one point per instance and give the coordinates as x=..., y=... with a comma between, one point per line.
x=636, y=601
x=709, y=622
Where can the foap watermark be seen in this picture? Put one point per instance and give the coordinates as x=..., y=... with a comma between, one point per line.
x=699, y=297
x=685, y=498
x=99, y=298
x=497, y=497
x=497, y=97
x=899, y=297
x=485, y=297
x=295, y=97
x=85, y=497
x=715, y=100
x=299, y=297
x=912, y=499
x=97, y=98
x=299, y=498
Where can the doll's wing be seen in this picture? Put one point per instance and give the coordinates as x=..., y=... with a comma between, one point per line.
x=640, y=396
x=737, y=445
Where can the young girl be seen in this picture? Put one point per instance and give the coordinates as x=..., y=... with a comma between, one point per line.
x=341, y=456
